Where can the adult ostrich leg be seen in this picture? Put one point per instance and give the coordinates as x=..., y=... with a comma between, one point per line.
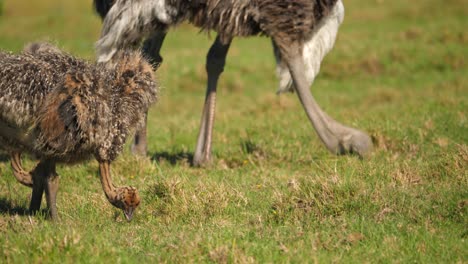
x=303, y=30
x=215, y=61
x=338, y=138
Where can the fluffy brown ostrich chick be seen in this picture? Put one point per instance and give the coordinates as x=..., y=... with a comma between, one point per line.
x=61, y=109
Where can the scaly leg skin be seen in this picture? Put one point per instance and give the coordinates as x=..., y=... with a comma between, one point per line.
x=338, y=138
x=20, y=174
x=151, y=49
x=216, y=60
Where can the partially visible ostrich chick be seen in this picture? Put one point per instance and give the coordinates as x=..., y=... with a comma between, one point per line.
x=62, y=109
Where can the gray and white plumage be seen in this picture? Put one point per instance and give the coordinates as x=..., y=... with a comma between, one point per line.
x=129, y=21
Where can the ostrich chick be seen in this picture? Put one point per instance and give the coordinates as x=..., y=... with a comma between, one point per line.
x=64, y=110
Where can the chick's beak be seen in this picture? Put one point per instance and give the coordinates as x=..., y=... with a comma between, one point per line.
x=129, y=213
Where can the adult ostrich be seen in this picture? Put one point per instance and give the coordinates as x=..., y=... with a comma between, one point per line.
x=302, y=33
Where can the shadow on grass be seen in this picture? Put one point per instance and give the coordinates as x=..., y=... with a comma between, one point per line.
x=6, y=207
x=173, y=157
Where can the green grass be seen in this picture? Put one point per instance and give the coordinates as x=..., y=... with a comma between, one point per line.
x=274, y=194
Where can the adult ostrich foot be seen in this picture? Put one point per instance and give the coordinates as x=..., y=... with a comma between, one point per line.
x=202, y=161
x=351, y=141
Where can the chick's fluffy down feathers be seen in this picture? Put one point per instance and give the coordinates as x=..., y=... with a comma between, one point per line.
x=68, y=109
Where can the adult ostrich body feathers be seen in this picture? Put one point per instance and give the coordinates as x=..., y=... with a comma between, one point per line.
x=63, y=109
x=129, y=21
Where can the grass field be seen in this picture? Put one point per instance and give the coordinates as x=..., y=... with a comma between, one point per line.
x=273, y=194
